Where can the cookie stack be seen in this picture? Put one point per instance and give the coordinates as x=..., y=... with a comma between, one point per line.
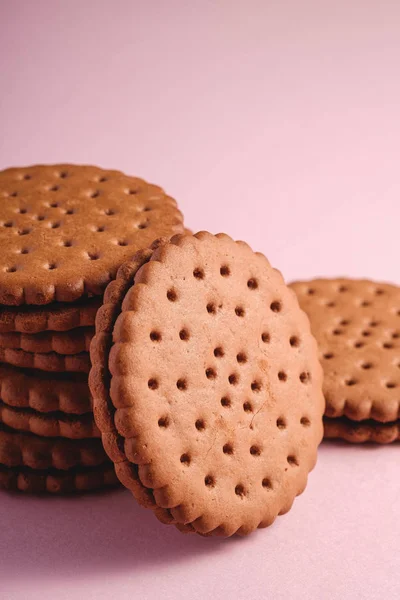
x=357, y=326
x=64, y=231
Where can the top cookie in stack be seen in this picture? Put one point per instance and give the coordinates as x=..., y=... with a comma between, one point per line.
x=64, y=232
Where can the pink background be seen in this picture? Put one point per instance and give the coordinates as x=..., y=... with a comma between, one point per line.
x=279, y=123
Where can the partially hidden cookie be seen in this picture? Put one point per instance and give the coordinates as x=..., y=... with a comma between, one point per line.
x=357, y=327
x=77, y=363
x=29, y=450
x=58, y=316
x=53, y=424
x=65, y=229
x=54, y=481
x=206, y=385
x=44, y=392
x=61, y=342
x=361, y=431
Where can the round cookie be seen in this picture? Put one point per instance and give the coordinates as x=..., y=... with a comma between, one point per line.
x=59, y=363
x=65, y=229
x=56, y=424
x=43, y=392
x=54, y=481
x=29, y=450
x=361, y=431
x=61, y=342
x=357, y=326
x=58, y=316
x=210, y=396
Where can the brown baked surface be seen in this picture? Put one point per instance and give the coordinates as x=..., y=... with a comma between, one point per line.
x=52, y=362
x=54, y=481
x=361, y=431
x=26, y=449
x=357, y=326
x=65, y=229
x=216, y=402
x=61, y=342
x=45, y=392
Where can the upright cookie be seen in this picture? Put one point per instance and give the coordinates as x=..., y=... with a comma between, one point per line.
x=54, y=481
x=215, y=402
x=45, y=392
x=65, y=229
x=357, y=327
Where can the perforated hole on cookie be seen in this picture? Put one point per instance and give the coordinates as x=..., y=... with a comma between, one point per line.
x=22, y=211
x=343, y=288
x=211, y=373
x=181, y=384
x=241, y=358
x=328, y=355
x=266, y=338
x=152, y=384
x=163, y=422
x=185, y=459
x=266, y=483
x=395, y=335
x=24, y=251
x=184, y=334
x=198, y=273
x=292, y=460
x=8, y=224
x=305, y=421
x=131, y=191
x=25, y=231
x=350, y=382
x=388, y=345
x=248, y=407
x=225, y=271
x=281, y=423
x=53, y=188
x=256, y=386
x=366, y=333
x=337, y=331
x=11, y=269
x=39, y=217
x=155, y=336
x=63, y=174
x=122, y=243
x=294, y=341
x=219, y=352
x=366, y=365
x=239, y=311
x=255, y=450
x=330, y=304
x=282, y=376
x=391, y=385
x=209, y=481
x=109, y=212
x=240, y=490
x=54, y=225
x=344, y=322
x=51, y=266
x=227, y=449
x=233, y=379
x=226, y=402
x=200, y=425
x=252, y=283
x=305, y=377
x=310, y=291
x=143, y=225
x=93, y=255
x=365, y=303
x=67, y=243
x=359, y=345
x=276, y=306
x=94, y=194
x=373, y=323
x=379, y=292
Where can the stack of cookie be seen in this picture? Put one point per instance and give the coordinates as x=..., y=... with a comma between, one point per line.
x=357, y=326
x=64, y=231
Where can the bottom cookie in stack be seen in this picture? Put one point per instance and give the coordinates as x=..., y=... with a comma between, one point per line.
x=357, y=327
x=48, y=439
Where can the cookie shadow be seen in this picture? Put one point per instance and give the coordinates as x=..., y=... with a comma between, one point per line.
x=63, y=536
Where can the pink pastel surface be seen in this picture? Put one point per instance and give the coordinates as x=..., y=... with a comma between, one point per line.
x=279, y=123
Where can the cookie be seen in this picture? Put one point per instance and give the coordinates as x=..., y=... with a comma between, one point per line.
x=77, y=363
x=44, y=392
x=54, y=481
x=206, y=385
x=357, y=327
x=61, y=342
x=56, y=424
x=361, y=431
x=65, y=229
x=26, y=449
x=53, y=317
